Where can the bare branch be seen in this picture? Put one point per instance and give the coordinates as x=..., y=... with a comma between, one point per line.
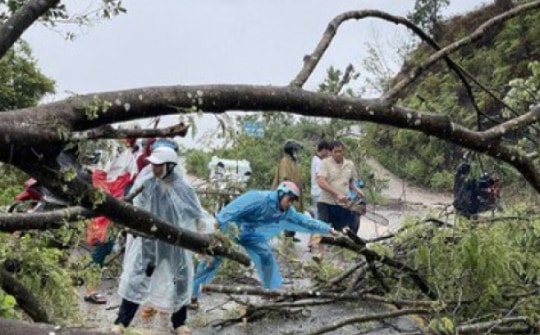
x=482, y=326
x=23, y=18
x=366, y=318
x=42, y=220
x=346, y=273
x=418, y=70
x=311, y=61
x=109, y=132
x=298, y=295
x=519, y=122
x=345, y=79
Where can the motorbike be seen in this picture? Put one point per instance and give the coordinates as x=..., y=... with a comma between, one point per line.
x=35, y=198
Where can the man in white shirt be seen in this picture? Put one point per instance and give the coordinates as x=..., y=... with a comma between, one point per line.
x=323, y=151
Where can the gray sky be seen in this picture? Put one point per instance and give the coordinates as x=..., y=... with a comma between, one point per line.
x=170, y=42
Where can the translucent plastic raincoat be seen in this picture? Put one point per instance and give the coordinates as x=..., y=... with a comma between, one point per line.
x=157, y=273
x=259, y=218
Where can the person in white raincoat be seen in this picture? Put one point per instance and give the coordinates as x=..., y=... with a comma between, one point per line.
x=157, y=273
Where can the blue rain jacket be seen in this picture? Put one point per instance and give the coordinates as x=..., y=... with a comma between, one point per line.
x=258, y=217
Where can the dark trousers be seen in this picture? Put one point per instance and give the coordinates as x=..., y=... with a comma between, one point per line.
x=337, y=216
x=127, y=311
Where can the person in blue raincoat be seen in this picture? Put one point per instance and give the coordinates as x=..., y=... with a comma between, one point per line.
x=156, y=273
x=260, y=215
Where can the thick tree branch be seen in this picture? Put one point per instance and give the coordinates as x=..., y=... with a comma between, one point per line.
x=80, y=190
x=52, y=123
x=17, y=327
x=478, y=33
x=42, y=220
x=109, y=132
x=25, y=298
x=23, y=18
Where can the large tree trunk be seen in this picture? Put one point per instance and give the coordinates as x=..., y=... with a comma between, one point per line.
x=16, y=327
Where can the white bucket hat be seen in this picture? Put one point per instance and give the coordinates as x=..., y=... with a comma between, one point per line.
x=162, y=155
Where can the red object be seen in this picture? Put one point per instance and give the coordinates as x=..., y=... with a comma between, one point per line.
x=97, y=228
x=29, y=192
x=146, y=151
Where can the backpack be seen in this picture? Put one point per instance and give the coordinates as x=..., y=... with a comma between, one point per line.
x=475, y=195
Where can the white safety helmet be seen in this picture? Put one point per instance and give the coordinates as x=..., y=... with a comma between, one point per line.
x=162, y=155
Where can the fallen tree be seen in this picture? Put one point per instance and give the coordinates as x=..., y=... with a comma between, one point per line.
x=33, y=138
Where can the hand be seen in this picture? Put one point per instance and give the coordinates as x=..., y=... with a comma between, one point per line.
x=341, y=198
x=334, y=232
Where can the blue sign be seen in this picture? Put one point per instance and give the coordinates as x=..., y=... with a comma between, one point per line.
x=254, y=128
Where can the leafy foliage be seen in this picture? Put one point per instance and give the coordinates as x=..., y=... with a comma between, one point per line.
x=21, y=82
x=476, y=266
x=501, y=60
x=427, y=14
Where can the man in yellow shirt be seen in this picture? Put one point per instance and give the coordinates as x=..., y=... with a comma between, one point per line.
x=287, y=170
x=336, y=179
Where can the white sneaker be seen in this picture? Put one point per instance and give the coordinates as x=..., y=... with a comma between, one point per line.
x=118, y=329
x=183, y=330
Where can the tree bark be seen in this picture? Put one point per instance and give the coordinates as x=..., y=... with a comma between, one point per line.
x=51, y=124
x=23, y=18
x=10, y=223
x=16, y=327
x=25, y=298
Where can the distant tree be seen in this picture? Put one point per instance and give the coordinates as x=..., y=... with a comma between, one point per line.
x=427, y=15
x=504, y=4
x=21, y=82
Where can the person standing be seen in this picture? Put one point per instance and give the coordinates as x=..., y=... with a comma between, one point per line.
x=287, y=170
x=323, y=151
x=336, y=178
x=115, y=179
x=156, y=273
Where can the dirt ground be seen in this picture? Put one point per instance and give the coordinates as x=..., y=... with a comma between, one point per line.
x=405, y=200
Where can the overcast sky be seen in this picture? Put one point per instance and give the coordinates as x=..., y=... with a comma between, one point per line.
x=170, y=42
